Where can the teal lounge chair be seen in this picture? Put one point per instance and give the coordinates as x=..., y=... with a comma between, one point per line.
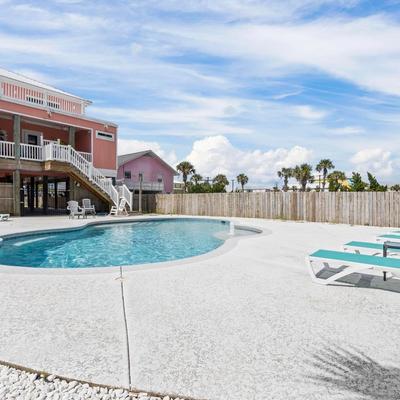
x=352, y=263
x=370, y=248
x=388, y=237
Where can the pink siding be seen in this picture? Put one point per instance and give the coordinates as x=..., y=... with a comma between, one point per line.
x=151, y=168
x=104, y=151
x=82, y=137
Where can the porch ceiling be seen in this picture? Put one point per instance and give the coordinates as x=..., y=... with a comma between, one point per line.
x=37, y=122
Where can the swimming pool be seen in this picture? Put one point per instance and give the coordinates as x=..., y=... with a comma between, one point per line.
x=115, y=244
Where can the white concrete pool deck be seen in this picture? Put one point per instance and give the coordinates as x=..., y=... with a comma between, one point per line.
x=247, y=323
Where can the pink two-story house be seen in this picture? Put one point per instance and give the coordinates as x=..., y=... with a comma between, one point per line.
x=157, y=176
x=51, y=151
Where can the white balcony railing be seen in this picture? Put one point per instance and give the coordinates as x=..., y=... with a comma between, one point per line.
x=31, y=152
x=58, y=152
x=146, y=186
x=86, y=156
x=67, y=154
x=21, y=92
x=124, y=192
x=7, y=149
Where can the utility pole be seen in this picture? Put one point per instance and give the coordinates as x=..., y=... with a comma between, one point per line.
x=140, y=191
x=233, y=185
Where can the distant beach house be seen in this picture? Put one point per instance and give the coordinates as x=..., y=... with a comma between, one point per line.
x=156, y=174
x=50, y=150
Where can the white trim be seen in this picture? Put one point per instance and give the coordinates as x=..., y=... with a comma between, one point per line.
x=13, y=77
x=77, y=116
x=110, y=173
x=3, y=132
x=27, y=132
x=105, y=136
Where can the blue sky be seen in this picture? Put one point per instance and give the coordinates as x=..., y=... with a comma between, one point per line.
x=235, y=86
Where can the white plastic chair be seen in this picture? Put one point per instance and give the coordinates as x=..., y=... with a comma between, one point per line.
x=88, y=207
x=4, y=217
x=74, y=209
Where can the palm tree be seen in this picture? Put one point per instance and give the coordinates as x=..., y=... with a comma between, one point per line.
x=286, y=174
x=196, y=178
x=185, y=168
x=221, y=179
x=395, y=188
x=336, y=181
x=219, y=183
x=242, y=179
x=324, y=165
x=303, y=174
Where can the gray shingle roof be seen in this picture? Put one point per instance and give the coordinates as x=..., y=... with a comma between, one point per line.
x=124, y=158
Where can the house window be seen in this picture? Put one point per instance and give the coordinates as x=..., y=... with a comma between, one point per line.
x=32, y=137
x=159, y=178
x=105, y=136
x=127, y=174
x=3, y=136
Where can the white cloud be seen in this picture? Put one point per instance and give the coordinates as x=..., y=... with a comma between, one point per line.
x=272, y=10
x=347, y=131
x=216, y=154
x=126, y=146
x=286, y=95
x=365, y=51
x=378, y=161
x=308, y=112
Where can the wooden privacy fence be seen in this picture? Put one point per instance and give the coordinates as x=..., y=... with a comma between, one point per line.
x=6, y=198
x=148, y=203
x=358, y=208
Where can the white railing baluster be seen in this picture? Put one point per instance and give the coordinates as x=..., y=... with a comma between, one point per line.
x=127, y=194
x=25, y=93
x=7, y=149
x=58, y=152
x=54, y=151
x=31, y=152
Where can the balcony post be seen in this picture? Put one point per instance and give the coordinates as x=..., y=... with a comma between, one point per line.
x=17, y=138
x=71, y=136
x=17, y=171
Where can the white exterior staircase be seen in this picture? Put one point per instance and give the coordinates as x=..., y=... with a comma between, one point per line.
x=52, y=151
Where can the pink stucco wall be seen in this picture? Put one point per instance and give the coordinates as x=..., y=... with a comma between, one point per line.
x=151, y=168
x=104, y=151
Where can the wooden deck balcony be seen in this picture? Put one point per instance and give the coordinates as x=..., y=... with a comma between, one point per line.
x=32, y=152
x=35, y=96
x=147, y=186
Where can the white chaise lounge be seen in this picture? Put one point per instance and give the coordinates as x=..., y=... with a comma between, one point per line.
x=4, y=217
x=121, y=209
x=347, y=263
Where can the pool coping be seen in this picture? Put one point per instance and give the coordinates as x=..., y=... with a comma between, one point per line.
x=229, y=244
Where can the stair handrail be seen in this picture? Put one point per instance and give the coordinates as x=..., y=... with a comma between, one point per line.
x=66, y=153
x=127, y=195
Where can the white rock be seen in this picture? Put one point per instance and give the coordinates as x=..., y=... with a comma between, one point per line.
x=71, y=384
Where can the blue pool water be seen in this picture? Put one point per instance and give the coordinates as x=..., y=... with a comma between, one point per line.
x=115, y=244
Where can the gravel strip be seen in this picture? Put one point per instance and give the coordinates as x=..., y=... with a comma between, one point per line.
x=18, y=384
